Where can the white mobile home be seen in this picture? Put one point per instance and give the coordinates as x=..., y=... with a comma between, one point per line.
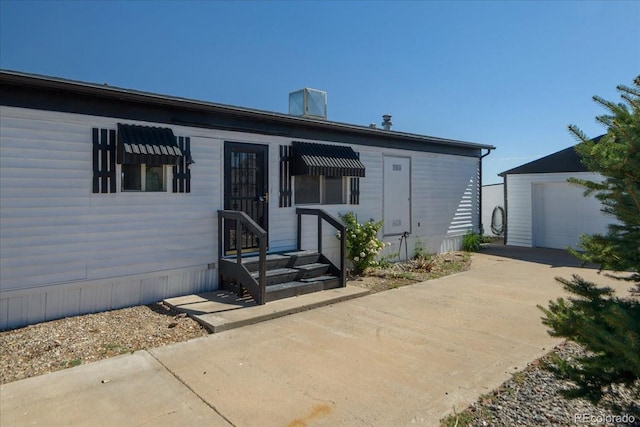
x=112, y=197
x=544, y=210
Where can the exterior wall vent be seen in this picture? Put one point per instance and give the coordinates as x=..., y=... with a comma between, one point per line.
x=308, y=102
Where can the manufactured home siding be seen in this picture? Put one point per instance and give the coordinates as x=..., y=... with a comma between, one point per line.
x=79, y=250
x=444, y=197
x=66, y=250
x=521, y=203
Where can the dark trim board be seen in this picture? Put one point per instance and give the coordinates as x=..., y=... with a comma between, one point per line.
x=46, y=93
x=567, y=160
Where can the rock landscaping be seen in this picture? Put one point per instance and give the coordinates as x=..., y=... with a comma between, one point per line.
x=532, y=398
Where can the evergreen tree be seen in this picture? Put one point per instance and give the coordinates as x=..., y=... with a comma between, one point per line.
x=608, y=326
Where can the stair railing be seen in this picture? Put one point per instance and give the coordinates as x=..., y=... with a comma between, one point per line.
x=323, y=215
x=257, y=290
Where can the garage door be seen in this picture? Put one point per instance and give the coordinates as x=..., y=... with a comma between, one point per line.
x=561, y=214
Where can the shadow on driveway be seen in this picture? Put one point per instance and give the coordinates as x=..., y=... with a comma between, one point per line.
x=550, y=257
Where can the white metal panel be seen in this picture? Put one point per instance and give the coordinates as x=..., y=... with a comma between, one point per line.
x=396, y=195
x=94, y=298
x=62, y=303
x=492, y=198
x=519, y=210
x=28, y=306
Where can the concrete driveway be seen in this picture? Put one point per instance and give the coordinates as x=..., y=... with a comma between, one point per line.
x=402, y=357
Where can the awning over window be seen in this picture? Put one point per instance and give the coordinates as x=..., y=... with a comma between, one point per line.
x=324, y=159
x=145, y=144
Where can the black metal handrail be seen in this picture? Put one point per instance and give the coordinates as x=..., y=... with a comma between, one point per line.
x=242, y=219
x=333, y=221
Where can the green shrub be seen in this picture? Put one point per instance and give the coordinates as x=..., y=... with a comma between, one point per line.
x=419, y=251
x=386, y=261
x=363, y=245
x=472, y=241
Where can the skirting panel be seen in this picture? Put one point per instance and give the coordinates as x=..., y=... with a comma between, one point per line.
x=58, y=301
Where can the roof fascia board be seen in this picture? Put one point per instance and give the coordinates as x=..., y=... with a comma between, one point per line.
x=76, y=87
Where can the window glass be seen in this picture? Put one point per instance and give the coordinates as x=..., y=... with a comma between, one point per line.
x=154, y=179
x=143, y=178
x=307, y=189
x=131, y=177
x=333, y=190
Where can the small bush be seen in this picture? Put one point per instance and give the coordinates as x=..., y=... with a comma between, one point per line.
x=419, y=250
x=386, y=261
x=472, y=241
x=363, y=245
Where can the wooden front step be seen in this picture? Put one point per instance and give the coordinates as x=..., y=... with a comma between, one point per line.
x=273, y=261
x=289, y=274
x=301, y=287
x=278, y=275
x=302, y=257
x=311, y=270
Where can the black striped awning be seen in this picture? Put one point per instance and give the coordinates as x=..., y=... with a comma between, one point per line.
x=146, y=144
x=324, y=159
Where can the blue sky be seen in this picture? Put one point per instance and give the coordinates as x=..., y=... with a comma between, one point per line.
x=506, y=73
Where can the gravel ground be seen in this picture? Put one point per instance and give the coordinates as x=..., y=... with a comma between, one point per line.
x=50, y=346
x=530, y=398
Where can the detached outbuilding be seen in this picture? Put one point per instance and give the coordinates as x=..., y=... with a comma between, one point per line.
x=112, y=197
x=544, y=210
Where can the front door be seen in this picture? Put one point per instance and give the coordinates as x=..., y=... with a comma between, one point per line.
x=246, y=188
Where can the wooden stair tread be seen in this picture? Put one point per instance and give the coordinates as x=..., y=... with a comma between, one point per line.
x=256, y=258
x=319, y=278
x=275, y=272
x=312, y=266
x=300, y=253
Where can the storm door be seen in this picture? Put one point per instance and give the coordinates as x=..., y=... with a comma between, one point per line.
x=246, y=188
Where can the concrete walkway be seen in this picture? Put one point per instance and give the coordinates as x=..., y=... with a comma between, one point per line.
x=223, y=310
x=402, y=357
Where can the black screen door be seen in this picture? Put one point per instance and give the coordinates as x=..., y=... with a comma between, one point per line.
x=246, y=189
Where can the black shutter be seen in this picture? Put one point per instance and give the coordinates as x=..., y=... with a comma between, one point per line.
x=285, y=176
x=354, y=189
x=104, y=160
x=181, y=171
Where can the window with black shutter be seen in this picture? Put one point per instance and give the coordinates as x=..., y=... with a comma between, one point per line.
x=104, y=160
x=182, y=170
x=144, y=154
x=321, y=174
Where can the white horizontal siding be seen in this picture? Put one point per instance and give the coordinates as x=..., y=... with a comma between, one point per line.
x=444, y=203
x=55, y=232
x=54, y=229
x=60, y=242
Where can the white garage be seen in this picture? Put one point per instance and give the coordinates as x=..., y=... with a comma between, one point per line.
x=544, y=210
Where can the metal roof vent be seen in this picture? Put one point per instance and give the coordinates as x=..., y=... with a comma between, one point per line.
x=386, y=122
x=308, y=102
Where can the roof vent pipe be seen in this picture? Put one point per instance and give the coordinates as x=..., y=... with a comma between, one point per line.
x=386, y=122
